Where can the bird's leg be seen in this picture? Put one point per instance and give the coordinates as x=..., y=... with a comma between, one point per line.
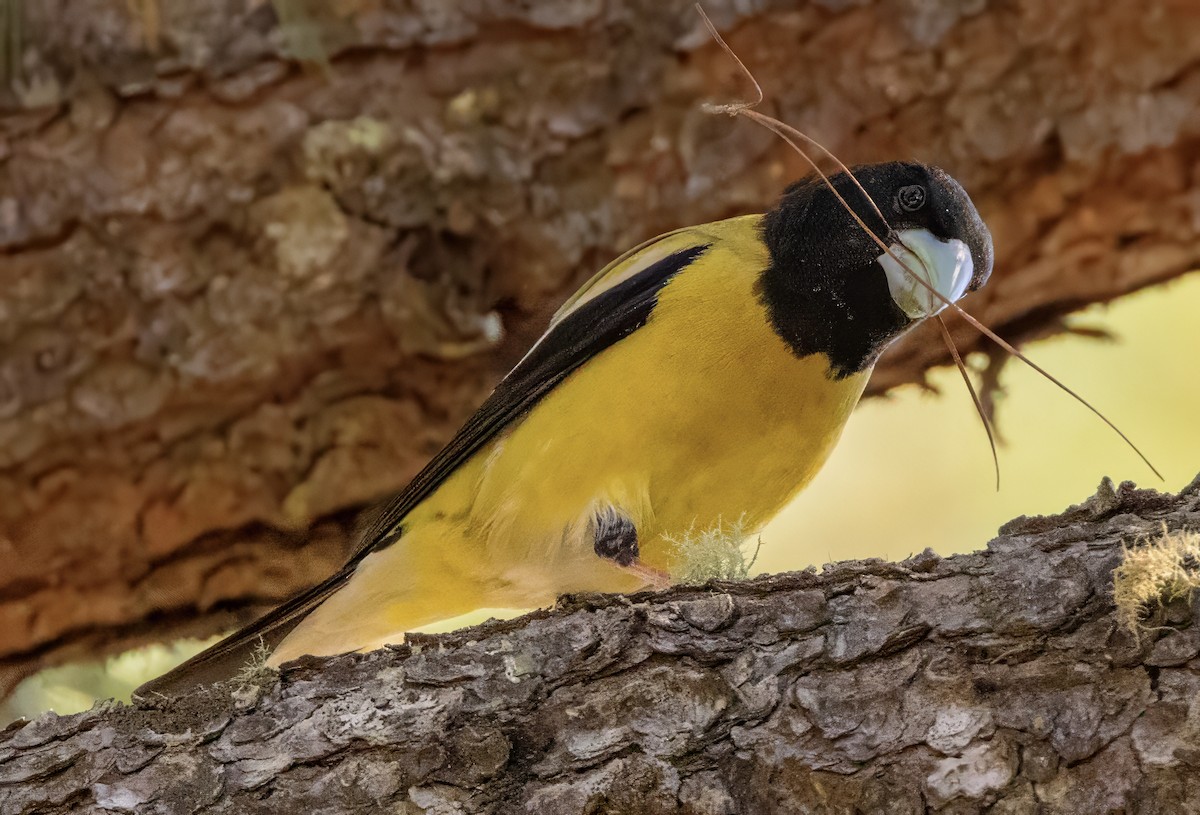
x=616, y=539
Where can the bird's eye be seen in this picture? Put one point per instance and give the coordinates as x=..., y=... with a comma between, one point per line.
x=911, y=198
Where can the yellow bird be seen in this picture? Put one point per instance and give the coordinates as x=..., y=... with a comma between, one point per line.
x=704, y=375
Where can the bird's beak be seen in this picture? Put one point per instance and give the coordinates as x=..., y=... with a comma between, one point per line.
x=944, y=265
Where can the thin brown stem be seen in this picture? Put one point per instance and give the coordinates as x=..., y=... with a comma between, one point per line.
x=962, y=369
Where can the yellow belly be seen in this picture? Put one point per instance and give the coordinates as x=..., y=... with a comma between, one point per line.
x=703, y=416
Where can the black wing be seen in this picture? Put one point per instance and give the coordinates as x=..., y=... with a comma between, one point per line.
x=580, y=335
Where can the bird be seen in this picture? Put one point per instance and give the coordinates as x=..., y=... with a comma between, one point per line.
x=705, y=374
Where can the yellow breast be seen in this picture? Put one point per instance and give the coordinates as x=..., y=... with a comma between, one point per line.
x=702, y=416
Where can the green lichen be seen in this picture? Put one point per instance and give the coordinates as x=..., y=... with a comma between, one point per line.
x=254, y=677
x=1156, y=571
x=312, y=30
x=719, y=553
x=12, y=39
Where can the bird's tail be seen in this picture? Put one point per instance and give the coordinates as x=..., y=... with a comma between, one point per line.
x=223, y=660
x=429, y=574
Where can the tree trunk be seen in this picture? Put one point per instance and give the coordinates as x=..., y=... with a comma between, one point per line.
x=260, y=259
x=999, y=681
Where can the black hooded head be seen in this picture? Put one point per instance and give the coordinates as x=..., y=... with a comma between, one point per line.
x=826, y=289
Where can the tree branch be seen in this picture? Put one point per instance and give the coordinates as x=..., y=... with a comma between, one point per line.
x=994, y=679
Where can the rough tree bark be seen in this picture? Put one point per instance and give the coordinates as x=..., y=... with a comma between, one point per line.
x=998, y=681
x=257, y=256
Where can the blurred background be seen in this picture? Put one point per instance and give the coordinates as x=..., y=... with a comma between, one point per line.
x=913, y=470
x=261, y=258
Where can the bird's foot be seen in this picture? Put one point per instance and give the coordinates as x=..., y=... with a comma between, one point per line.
x=616, y=539
x=655, y=579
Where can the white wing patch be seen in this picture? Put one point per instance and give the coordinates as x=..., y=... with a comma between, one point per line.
x=635, y=261
x=630, y=264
